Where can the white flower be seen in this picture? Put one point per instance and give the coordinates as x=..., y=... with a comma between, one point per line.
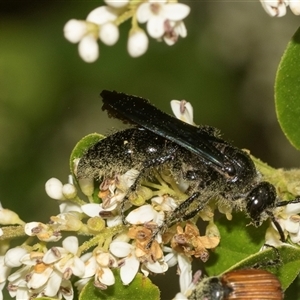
x=164, y=203
x=137, y=43
x=65, y=258
x=67, y=221
x=98, y=24
x=183, y=111
x=275, y=8
x=157, y=13
x=144, y=214
x=99, y=264
x=130, y=265
x=44, y=232
x=173, y=30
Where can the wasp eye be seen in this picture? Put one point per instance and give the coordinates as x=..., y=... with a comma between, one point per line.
x=263, y=196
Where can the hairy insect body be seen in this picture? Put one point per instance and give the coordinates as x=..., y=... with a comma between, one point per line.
x=142, y=150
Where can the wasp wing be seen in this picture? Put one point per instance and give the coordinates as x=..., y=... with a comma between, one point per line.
x=139, y=111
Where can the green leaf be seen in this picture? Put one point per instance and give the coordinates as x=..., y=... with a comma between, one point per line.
x=287, y=91
x=239, y=240
x=139, y=289
x=239, y=249
x=82, y=146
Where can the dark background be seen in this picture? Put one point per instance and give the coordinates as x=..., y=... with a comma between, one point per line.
x=49, y=97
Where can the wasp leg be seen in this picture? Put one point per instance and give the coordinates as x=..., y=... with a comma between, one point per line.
x=178, y=215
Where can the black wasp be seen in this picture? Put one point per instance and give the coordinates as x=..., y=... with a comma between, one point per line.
x=197, y=154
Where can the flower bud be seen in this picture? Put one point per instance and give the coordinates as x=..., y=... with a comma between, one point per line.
x=69, y=191
x=137, y=43
x=87, y=186
x=109, y=33
x=54, y=189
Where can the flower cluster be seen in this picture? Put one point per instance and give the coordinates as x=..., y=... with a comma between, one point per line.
x=144, y=241
x=130, y=236
x=163, y=21
x=277, y=8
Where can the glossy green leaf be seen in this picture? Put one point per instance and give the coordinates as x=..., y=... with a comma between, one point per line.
x=82, y=146
x=287, y=91
x=139, y=289
x=239, y=249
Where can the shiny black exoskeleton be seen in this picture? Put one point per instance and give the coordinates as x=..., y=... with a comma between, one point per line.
x=198, y=155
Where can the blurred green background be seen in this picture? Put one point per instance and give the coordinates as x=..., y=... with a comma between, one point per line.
x=49, y=98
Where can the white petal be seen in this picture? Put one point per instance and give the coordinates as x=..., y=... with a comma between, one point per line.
x=68, y=206
x=101, y=15
x=143, y=13
x=88, y=49
x=292, y=209
x=114, y=221
x=141, y=215
x=171, y=259
x=4, y=270
x=74, y=30
x=159, y=218
x=183, y=111
x=18, y=277
x=53, y=284
x=129, y=269
x=90, y=267
x=137, y=43
x=53, y=256
x=107, y=277
x=78, y=267
x=13, y=257
x=157, y=267
x=290, y=226
x=109, y=33
x=71, y=244
x=54, y=189
x=117, y=3
x=22, y=293
x=29, y=228
x=39, y=279
x=295, y=237
x=120, y=249
x=155, y=27
x=67, y=289
x=185, y=278
x=176, y=11
x=91, y=209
